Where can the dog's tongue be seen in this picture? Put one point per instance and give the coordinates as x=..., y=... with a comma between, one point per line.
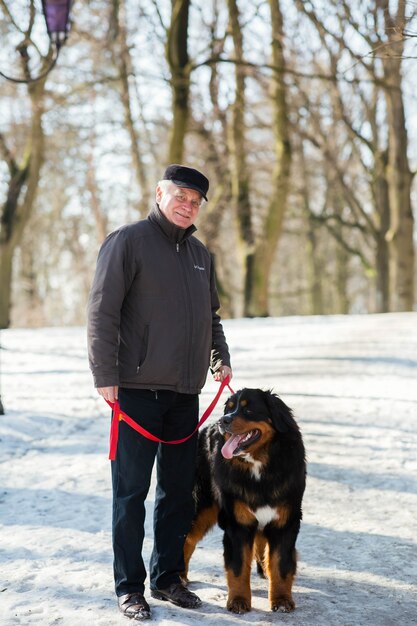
x=231, y=445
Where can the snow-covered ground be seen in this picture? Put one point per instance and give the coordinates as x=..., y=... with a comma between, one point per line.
x=352, y=384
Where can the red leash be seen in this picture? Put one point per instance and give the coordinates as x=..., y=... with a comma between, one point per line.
x=118, y=415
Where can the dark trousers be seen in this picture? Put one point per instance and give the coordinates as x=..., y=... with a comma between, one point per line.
x=168, y=415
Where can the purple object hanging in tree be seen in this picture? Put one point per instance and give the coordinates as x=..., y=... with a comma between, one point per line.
x=56, y=14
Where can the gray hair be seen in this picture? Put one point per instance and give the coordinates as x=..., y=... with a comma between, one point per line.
x=164, y=184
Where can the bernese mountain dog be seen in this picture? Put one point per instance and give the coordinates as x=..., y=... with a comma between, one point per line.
x=250, y=479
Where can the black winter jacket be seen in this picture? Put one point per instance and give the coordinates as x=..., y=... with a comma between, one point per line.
x=152, y=311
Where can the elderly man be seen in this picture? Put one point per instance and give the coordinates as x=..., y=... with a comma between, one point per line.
x=153, y=332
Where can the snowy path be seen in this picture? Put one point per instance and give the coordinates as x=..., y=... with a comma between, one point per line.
x=352, y=383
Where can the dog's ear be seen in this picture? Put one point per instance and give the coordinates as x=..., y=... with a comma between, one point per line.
x=280, y=414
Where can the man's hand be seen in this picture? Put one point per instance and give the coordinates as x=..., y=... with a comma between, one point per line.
x=109, y=393
x=223, y=372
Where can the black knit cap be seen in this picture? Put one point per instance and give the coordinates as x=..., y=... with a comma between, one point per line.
x=187, y=177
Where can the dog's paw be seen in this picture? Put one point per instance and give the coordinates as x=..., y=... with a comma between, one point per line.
x=283, y=604
x=238, y=605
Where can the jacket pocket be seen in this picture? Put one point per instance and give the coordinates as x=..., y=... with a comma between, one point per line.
x=143, y=348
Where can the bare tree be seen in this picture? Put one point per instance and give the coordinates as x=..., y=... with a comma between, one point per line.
x=120, y=51
x=239, y=175
x=390, y=224
x=399, y=177
x=266, y=247
x=180, y=68
x=24, y=168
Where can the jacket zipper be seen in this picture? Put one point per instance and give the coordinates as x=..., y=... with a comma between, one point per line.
x=189, y=316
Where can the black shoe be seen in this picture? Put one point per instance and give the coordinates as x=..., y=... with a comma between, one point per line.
x=134, y=605
x=179, y=595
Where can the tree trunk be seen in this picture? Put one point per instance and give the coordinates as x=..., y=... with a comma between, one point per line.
x=237, y=152
x=342, y=279
x=100, y=217
x=266, y=248
x=400, y=234
x=383, y=219
x=180, y=67
x=314, y=262
x=21, y=193
x=399, y=177
x=6, y=258
x=216, y=215
x=122, y=60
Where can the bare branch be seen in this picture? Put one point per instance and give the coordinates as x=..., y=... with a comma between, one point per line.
x=351, y=249
x=8, y=157
x=10, y=16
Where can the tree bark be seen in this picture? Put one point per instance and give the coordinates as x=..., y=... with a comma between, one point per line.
x=399, y=177
x=314, y=270
x=266, y=247
x=6, y=259
x=100, y=217
x=123, y=62
x=216, y=213
x=382, y=299
x=180, y=68
x=239, y=177
x=21, y=194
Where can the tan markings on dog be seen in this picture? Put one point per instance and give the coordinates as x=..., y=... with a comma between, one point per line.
x=239, y=599
x=260, y=550
x=280, y=589
x=243, y=514
x=262, y=515
x=201, y=525
x=243, y=403
x=259, y=449
x=230, y=405
x=283, y=514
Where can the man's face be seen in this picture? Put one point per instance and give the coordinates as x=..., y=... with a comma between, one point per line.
x=180, y=205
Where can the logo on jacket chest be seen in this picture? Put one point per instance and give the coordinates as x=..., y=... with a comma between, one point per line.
x=198, y=267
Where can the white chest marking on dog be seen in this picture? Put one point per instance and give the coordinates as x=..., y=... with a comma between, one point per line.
x=264, y=515
x=256, y=468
